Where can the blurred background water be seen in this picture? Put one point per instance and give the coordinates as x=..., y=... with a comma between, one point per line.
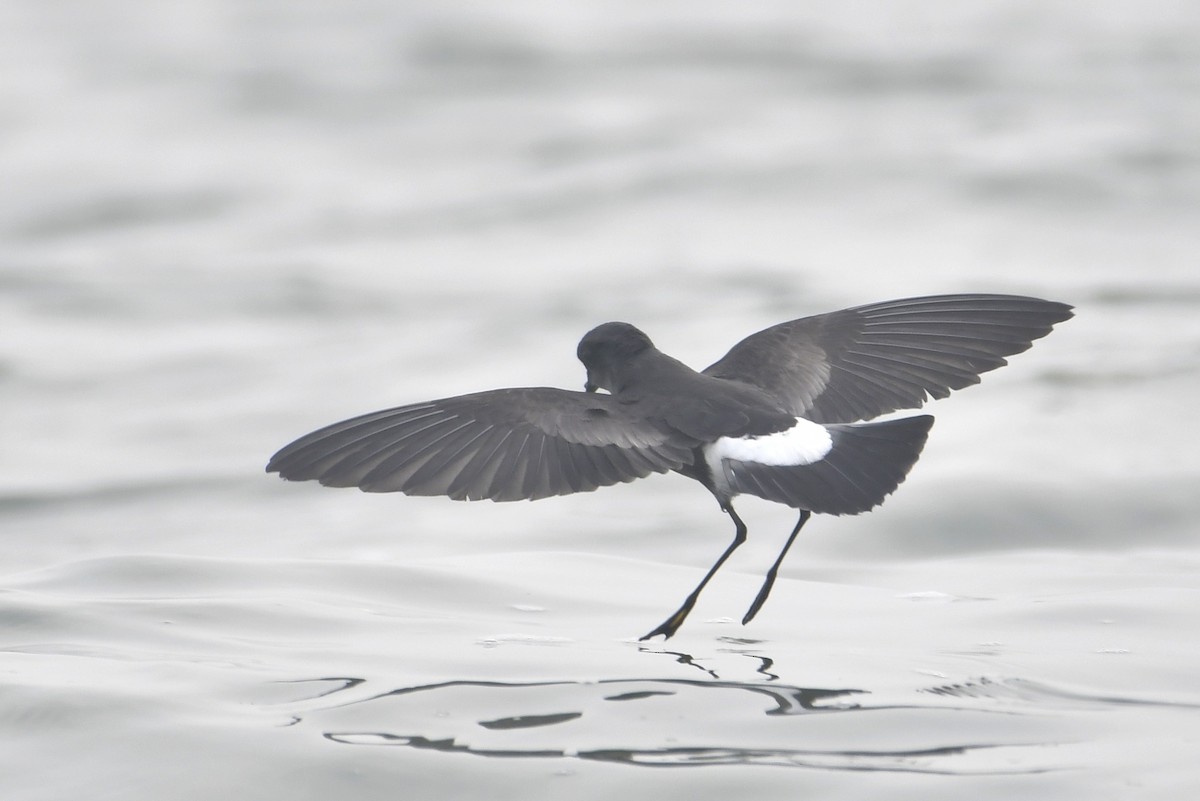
x=225, y=224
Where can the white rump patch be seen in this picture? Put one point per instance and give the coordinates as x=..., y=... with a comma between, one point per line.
x=804, y=443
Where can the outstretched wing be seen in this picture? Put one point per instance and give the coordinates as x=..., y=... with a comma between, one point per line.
x=859, y=363
x=503, y=445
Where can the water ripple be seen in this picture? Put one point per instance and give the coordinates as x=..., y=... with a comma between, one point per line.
x=724, y=724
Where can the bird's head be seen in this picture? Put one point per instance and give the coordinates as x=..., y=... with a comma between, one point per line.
x=607, y=350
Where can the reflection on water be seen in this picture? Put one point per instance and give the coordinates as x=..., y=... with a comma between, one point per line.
x=1044, y=695
x=693, y=756
x=635, y=721
x=986, y=726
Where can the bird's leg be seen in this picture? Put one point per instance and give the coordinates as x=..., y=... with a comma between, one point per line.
x=672, y=624
x=774, y=571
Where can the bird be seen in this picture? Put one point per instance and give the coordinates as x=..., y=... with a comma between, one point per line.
x=786, y=415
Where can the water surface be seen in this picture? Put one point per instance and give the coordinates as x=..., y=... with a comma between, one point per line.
x=224, y=226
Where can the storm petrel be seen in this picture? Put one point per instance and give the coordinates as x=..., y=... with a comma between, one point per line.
x=779, y=416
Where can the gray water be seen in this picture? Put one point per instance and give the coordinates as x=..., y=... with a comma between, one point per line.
x=225, y=224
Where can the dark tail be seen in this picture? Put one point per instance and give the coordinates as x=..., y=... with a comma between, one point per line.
x=865, y=465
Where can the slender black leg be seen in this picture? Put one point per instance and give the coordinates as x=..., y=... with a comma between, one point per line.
x=672, y=624
x=774, y=571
